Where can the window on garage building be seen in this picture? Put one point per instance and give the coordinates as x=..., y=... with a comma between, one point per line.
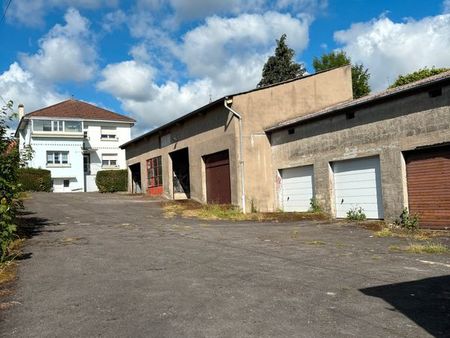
x=154, y=176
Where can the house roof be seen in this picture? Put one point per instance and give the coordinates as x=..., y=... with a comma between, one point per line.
x=78, y=109
x=214, y=103
x=368, y=100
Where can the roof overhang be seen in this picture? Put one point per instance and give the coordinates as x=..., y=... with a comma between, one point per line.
x=366, y=101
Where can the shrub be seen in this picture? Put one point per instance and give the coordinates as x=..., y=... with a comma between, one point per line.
x=31, y=179
x=407, y=221
x=112, y=180
x=314, y=205
x=356, y=214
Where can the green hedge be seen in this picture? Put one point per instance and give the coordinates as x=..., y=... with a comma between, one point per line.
x=32, y=179
x=112, y=180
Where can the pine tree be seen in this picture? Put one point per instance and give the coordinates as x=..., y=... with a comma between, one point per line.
x=281, y=66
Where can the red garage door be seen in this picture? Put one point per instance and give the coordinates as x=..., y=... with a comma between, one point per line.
x=428, y=175
x=218, y=189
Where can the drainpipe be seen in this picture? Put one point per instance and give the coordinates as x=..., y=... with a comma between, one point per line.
x=241, y=158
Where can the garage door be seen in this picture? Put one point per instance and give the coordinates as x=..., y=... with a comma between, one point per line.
x=297, y=188
x=218, y=189
x=428, y=177
x=357, y=183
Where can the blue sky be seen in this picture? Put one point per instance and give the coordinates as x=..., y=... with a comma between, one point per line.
x=158, y=59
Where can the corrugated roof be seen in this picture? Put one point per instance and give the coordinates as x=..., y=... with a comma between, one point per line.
x=78, y=109
x=365, y=100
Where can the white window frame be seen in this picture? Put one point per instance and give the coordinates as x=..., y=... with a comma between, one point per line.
x=108, y=133
x=56, y=126
x=109, y=161
x=57, y=158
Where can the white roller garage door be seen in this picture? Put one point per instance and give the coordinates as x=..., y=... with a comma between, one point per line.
x=297, y=188
x=357, y=183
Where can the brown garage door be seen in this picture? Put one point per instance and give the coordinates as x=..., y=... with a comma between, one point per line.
x=218, y=188
x=428, y=174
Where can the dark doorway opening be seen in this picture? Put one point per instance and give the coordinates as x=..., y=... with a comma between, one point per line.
x=135, y=170
x=180, y=168
x=218, y=187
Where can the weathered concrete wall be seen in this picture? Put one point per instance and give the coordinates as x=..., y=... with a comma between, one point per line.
x=266, y=107
x=385, y=130
x=202, y=134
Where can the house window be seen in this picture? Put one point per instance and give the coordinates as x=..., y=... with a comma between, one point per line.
x=57, y=126
x=66, y=183
x=73, y=126
x=57, y=157
x=42, y=125
x=154, y=172
x=109, y=133
x=109, y=160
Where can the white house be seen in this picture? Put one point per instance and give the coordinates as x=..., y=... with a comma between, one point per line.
x=74, y=140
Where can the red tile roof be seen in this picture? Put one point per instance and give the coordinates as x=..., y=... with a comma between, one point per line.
x=78, y=109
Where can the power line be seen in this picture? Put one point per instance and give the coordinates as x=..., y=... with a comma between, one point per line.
x=6, y=9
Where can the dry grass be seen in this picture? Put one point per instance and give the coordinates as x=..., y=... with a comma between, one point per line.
x=427, y=248
x=8, y=271
x=193, y=209
x=419, y=235
x=386, y=232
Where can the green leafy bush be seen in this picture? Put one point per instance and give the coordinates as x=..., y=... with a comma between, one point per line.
x=408, y=221
x=356, y=214
x=417, y=75
x=112, y=180
x=9, y=163
x=32, y=179
x=314, y=205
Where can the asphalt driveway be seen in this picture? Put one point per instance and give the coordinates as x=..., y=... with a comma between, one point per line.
x=114, y=266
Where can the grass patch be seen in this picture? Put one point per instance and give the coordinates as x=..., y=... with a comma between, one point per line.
x=193, y=209
x=427, y=248
x=386, y=232
x=8, y=271
x=417, y=235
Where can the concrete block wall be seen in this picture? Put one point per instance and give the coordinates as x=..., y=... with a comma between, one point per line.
x=384, y=129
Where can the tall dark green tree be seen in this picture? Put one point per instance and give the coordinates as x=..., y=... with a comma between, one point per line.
x=360, y=75
x=281, y=66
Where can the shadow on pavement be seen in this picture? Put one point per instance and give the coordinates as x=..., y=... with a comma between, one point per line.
x=424, y=301
x=29, y=226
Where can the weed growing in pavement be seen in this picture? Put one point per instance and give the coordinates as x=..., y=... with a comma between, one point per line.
x=356, y=214
x=408, y=221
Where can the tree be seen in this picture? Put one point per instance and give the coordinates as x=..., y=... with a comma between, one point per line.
x=360, y=75
x=417, y=75
x=281, y=66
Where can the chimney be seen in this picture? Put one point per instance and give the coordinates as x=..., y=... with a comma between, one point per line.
x=21, y=111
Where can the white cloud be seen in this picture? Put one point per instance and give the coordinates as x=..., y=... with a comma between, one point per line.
x=194, y=9
x=226, y=46
x=128, y=80
x=65, y=53
x=32, y=13
x=389, y=49
x=308, y=6
x=223, y=56
x=446, y=6
x=113, y=20
x=18, y=85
